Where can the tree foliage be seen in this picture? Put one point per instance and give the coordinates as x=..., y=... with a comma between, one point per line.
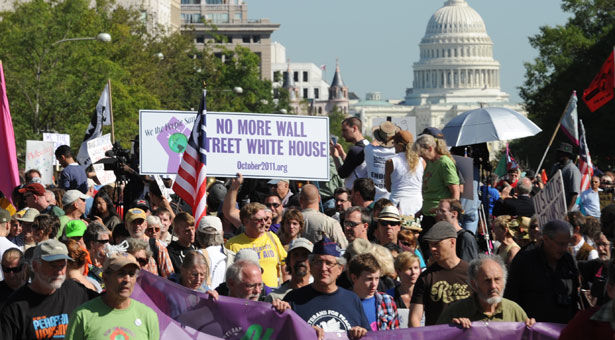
x=570, y=56
x=66, y=78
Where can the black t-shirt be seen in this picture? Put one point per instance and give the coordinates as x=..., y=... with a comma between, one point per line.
x=437, y=288
x=335, y=312
x=29, y=315
x=177, y=253
x=5, y=292
x=467, y=247
x=354, y=158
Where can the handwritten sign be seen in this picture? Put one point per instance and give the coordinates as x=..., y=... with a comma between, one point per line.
x=550, y=202
x=257, y=145
x=40, y=156
x=96, y=149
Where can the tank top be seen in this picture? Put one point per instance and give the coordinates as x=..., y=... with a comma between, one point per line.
x=406, y=185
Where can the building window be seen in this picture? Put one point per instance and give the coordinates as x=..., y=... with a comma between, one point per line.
x=305, y=93
x=295, y=76
x=237, y=17
x=256, y=38
x=200, y=39
x=320, y=110
x=143, y=16
x=316, y=94
x=284, y=75
x=191, y=2
x=245, y=39
x=214, y=2
x=305, y=76
x=229, y=39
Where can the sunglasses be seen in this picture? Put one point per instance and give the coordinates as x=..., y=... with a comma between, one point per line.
x=12, y=270
x=142, y=261
x=275, y=205
x=350, y=224
x=102, y=241
x=388, y=223
x=153, y=230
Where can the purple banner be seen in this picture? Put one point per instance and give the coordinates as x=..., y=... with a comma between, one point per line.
x=186, y=314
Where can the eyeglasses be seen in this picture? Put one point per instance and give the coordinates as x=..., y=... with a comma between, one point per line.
x=388, y=223
x=320, y=262
x=102, y=241
x=12, y=270
x=275, y=205
x=153, y=229
x=351, y=224
x=259, y=220
x=142, y=261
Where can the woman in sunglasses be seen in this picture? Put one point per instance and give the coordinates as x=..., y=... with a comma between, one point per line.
x=142, y=252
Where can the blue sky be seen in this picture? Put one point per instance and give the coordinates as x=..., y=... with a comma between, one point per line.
x=377, y=41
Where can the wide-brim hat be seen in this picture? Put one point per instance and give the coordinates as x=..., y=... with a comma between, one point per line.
x=565, y=148
x=28, y=215
x=404, y=137
x=385, y=132
x=389, y=213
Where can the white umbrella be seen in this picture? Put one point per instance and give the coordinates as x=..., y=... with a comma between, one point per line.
x=486, y=125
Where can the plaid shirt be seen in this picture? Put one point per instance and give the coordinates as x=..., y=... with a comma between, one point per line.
x=386, y=312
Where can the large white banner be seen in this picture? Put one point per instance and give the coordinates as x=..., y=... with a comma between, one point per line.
x=550, y=202
x=256, y=145
x=40, y=156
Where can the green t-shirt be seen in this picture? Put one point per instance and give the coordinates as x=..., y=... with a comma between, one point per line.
x=94, y=320
x=437, y=177
x=507, y=310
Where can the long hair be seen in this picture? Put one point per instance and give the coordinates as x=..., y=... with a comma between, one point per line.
x=426, y=141
x=411, y=157
x=110, y=207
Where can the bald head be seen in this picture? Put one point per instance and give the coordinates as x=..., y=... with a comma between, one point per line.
x=524, y=186
x=309, y=196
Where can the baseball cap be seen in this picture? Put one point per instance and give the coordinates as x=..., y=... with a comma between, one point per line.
x=119, y=260
x=75, y=228
x=134, y=214
x=435, y=132
x=141, y=204
x=440, y=231
x=51, y=250
x=5, y=216
x=276, y=181
x=326, y=247
x=35, y=188
x=389, y=213
x=301, y=243
x=210, y=221
x=28, y=215
x=72, y=195
x=248, y=254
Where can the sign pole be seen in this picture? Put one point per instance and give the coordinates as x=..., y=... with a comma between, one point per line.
x=552, y=138
x=111, y=112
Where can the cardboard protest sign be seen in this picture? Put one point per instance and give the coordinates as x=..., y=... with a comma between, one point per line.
x=550, y=202
x=96, y=149
x=57, y=139
x=40, y=156
x=256, y=145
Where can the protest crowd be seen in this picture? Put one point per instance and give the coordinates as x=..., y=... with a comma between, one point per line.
x=390, y=241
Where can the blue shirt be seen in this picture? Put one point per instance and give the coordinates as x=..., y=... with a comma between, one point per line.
x=369, y=307
x=73, y=177
x=335, y=312
x=589, y=201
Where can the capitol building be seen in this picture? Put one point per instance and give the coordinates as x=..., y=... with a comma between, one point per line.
x=456, y=72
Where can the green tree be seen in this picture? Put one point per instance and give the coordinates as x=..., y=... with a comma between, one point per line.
x=147, y=70
x=570, y=56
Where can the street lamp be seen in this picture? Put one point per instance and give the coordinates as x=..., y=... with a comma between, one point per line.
x=103, y=37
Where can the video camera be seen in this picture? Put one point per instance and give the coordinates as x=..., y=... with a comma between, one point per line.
x=117, y=157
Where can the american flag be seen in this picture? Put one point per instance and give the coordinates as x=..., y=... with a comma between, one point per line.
x=585, y=161
x=191, y=181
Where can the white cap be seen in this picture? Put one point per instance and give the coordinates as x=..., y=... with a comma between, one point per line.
x=210, y=221
x=72, y=195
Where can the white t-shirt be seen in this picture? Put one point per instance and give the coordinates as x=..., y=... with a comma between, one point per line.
x=217, y=261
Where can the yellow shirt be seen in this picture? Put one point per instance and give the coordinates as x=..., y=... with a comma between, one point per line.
x=270, y=254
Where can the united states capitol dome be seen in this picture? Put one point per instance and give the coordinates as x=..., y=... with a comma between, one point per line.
x=456, y=60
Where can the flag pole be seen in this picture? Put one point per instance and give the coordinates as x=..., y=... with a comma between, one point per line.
x=553, y=136
x=111, y=112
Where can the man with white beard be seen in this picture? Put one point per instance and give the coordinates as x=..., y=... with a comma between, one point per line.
x=487, y=278
x=41, y=309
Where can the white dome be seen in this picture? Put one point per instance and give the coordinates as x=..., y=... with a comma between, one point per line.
x=456, y=59
x=456, y=17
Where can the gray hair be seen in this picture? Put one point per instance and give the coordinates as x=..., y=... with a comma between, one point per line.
x=209, y=237
x=137, y=244
x=365, y=217
x=153, y=221
x=555, y=227
x=93, y=231
x=480, y=260
x=234, y=273
x=524, y=186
